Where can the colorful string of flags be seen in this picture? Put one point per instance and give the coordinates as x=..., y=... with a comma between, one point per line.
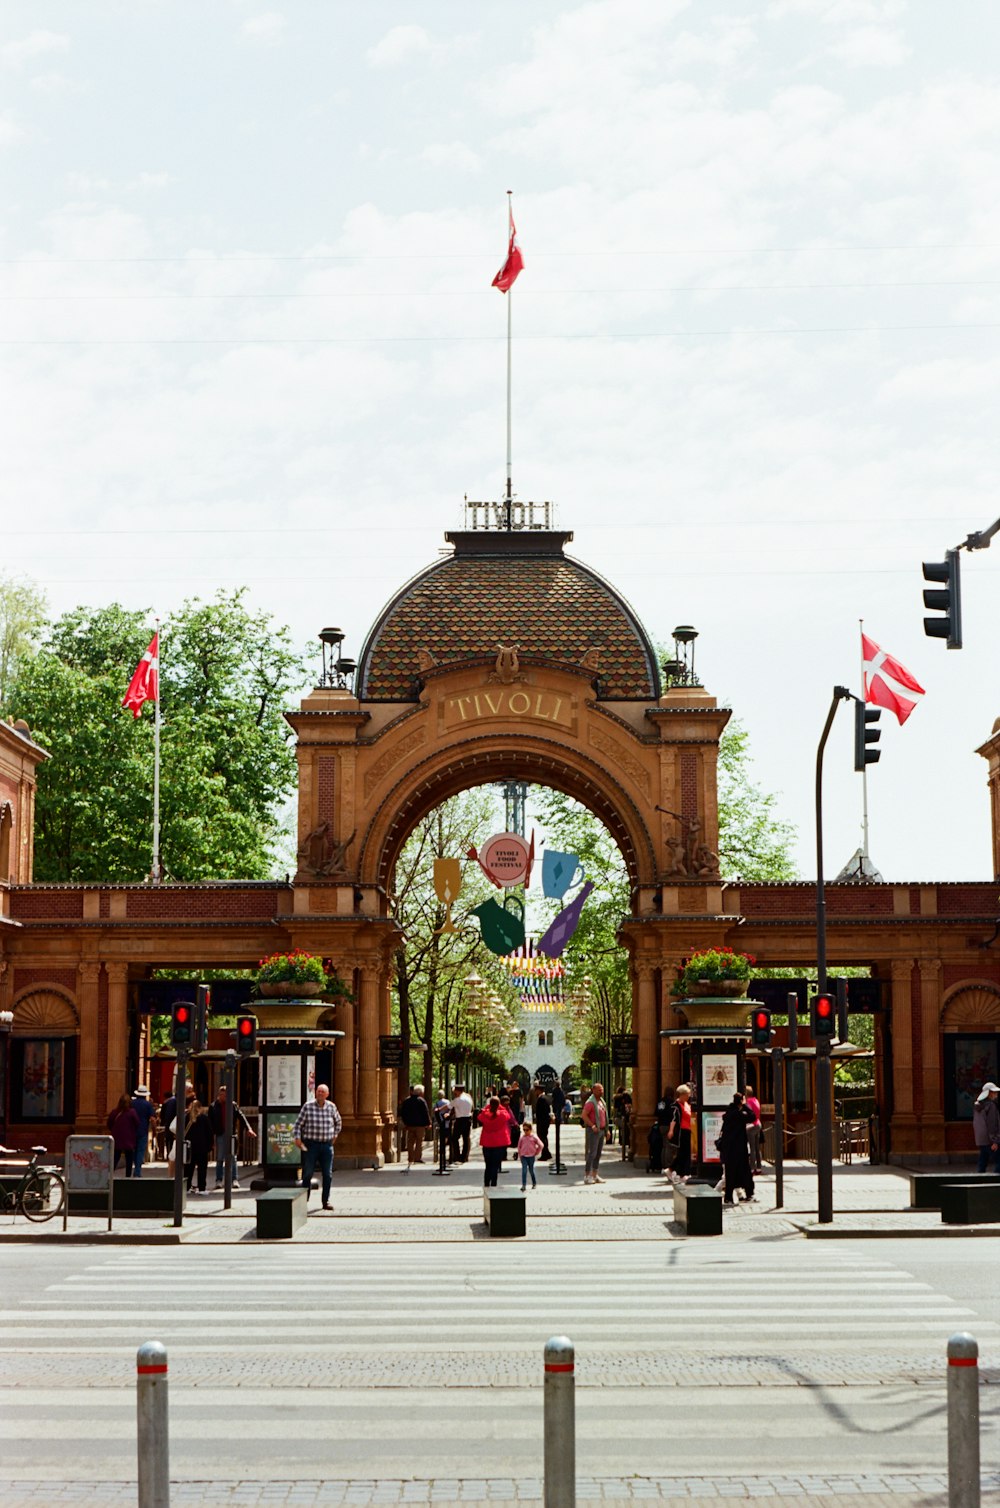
x=507, y=861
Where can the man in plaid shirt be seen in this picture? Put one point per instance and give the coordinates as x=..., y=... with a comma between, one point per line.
x=316, y=1129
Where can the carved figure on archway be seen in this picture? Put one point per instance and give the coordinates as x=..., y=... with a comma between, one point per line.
x=335, y=867
x=313, y=853
x=592, y=659
x=508, y=665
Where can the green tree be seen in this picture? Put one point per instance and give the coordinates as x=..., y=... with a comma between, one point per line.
x=227, y=761
x=754, y=842
x=22, y=619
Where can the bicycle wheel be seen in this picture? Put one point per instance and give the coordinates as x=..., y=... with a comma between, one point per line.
x=38, y=1203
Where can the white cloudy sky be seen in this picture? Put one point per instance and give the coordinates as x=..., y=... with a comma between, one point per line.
x=248, y=333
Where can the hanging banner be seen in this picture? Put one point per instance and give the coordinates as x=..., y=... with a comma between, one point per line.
x=447, y=884
x=560, y=872
x=561, y=930
x=505, y=860
x=502, y=930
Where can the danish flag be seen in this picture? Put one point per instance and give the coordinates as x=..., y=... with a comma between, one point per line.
x=514, y=264
x=145, y=683
x=883, y=678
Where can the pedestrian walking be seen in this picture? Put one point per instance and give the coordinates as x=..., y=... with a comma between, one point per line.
x=217, y=1119
x=512, y=1126
x=123, y=1123
x=462, y=1111
x=317, y=1127
x=679, y=1133
x=734, y=1149
x=168, y=1114
x=415, y=1114
x=528, y=1148
x=595, y=1127
x=543, y=1120
x=494, y=1139
x=755, y=1130
x=200, y=1140
x=146, y=1111
x=442, y=1120
x=986, y=1126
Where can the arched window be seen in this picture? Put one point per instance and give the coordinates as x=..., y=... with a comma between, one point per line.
x=549, y=1040
x=541, y=1039
x=522, y=1038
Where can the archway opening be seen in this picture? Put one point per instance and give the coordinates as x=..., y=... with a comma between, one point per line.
x=481, y=1004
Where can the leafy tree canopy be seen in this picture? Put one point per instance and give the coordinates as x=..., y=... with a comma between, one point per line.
x=22, y=619
x=227, y=760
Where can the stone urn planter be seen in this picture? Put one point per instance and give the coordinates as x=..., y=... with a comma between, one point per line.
x=287, y=989
x=716, y=989
x=290, y=1015
x=721, y=1013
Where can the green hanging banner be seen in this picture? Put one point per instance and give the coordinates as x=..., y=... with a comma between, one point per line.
x=502, y=931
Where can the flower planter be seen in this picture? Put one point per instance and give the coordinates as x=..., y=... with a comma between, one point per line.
x=716, y=989
x=287, y=989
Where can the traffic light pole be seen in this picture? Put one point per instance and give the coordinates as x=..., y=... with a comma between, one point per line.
x=180, y=1115
x=824, y=1084
x=230, y=1082
x=778, y=1070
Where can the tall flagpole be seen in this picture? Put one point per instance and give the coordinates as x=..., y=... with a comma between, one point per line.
x=155, y=875
x=510, y=293
x=864, y=772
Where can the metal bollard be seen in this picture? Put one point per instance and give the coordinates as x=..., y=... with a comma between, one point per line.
x=153, y=1432
x=560, y=1423
x=963, y=1421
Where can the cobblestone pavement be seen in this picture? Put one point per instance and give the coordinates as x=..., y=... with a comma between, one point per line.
x=394, y=1205
x=917, y=1490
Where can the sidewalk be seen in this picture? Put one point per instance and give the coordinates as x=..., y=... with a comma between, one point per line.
x=394, y=1204
x=891, y=1490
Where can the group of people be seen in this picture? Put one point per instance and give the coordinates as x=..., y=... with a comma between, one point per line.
x=738, y=1143
x=133, y=1119
x=454, y=1117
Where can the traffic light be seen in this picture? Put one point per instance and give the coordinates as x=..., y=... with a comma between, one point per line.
x=866, y=732
x=824, y=1016
x=948, y=600
x=246, y=1035
x=760, y=1026
x=182, y=1024
x=202, y=1006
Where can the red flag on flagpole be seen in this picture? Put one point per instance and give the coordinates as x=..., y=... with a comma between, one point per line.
x=515, y=261
x=145, y=683
x=884, y=675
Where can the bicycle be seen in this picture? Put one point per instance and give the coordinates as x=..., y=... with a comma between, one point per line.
x=41, y=1192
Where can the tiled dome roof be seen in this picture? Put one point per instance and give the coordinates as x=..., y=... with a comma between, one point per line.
x=507, y=588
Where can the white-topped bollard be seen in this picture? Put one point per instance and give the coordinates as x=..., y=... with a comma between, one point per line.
x=153, y=1431
x=963, y=1421
x=560, y=1423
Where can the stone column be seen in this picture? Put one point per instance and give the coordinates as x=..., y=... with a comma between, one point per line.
x=117, y=1071
x=646, y=1027
x=904, y=1121
x=343, y=1060
x=91, y=1111
x=932, y=1117
x=368, y=1019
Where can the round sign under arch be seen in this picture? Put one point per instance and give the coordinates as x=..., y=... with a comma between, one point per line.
x=506, y=859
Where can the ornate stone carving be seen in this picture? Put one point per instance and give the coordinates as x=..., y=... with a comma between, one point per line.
x=322, y=856
x=592, y=659
x=392, y=755
x=44, y=1011
x=974, y=1005
x=621, y=757
x=425, y=660
x=508, y=666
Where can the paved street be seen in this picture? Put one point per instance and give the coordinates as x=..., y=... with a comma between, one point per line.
x=704, y=1367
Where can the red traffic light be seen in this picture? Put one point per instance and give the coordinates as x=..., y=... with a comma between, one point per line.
x=762, y=1019
x=245, y=1026
x=181, y=1014
x=824, y=1016
x=824, y=1006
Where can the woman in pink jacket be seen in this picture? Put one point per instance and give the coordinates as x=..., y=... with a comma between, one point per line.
x=495, y=1121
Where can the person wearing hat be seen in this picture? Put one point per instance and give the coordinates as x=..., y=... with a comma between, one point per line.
x=986, y=1126
x=146, y=1111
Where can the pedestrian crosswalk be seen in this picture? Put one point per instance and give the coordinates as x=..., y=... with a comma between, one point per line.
x=291, y=1361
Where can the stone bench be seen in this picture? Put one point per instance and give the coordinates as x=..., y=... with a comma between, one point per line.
x=505, y=1212
x=925, y=1188
x=132, y=1198
x=280, y=1212
x=971, y=1203
x=698, y=1209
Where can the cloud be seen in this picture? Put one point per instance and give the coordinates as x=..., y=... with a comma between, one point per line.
x=871, y=47
x=453, y=155
x=410, y=44
x=16, y=54
x=266, y=29
x=10, y=131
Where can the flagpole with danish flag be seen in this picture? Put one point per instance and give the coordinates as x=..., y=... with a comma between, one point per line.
x=142, y=688
x=505, y=280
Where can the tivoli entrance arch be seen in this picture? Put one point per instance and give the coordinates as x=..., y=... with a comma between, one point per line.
x=508, y=660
